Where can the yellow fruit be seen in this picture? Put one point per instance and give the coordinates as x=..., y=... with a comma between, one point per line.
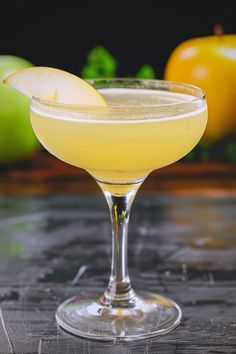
x=54, y=85
x=210, y=63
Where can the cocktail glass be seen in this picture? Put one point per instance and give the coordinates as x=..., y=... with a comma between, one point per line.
x=147, y=125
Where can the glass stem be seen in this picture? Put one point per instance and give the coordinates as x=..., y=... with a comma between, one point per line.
x=119, y=292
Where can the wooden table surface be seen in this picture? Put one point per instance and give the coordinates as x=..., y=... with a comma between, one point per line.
x=55, y=242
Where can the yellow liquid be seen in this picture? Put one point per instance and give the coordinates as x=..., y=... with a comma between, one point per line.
x=122, y=148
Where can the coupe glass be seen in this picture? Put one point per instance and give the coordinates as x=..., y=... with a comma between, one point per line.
x=119, y=146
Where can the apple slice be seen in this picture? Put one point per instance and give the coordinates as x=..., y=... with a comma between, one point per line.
x=54, y=85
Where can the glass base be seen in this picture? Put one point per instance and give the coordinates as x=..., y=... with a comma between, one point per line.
x=152, y=315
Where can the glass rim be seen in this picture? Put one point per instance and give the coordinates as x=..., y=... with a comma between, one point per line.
x=156, y=84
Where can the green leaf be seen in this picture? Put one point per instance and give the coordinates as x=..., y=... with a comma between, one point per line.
x=230, y=152
x=190, y=156
x=146, y=72
x=204, y=156
x=100, y=63
x=204, y=150
x=90, y=72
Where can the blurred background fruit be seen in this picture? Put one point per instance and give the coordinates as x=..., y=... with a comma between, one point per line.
x=210, y=63
x=17, y=139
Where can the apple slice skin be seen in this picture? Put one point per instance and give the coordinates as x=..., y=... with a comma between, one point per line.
x=54, y=85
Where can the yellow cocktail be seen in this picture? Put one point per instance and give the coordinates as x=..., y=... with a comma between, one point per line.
x=119, y=134
x=141, y=130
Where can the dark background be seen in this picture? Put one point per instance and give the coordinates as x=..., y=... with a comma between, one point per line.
x=60, y=35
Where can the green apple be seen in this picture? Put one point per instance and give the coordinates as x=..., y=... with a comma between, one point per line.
x=17, y=139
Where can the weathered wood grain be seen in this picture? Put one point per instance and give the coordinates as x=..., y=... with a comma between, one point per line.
x=52, y=247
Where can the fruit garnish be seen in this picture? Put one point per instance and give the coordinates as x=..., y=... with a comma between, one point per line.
x=54, y=85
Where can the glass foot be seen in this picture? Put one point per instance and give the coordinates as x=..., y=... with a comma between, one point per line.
x=152, y=315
